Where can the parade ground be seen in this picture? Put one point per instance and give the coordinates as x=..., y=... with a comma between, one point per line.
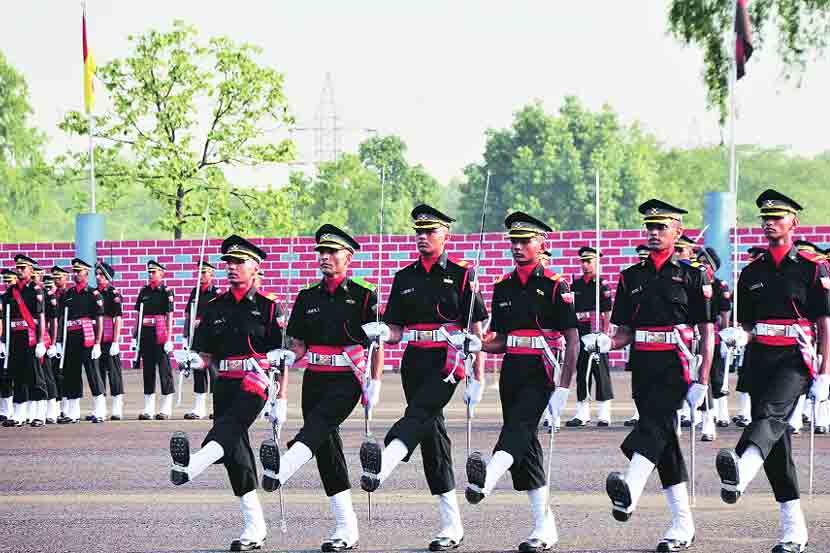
x=105, y=487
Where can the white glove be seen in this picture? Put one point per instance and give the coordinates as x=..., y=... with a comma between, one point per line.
x=377, y=331
x=596, y=343
x=466, y=342
x=3, y=349
x=820, y=390
x=473, y=392
x=734, y=336
x=96, y=351
x=372, y=393
x=696, y=395
x=277, y=356
x=168, y=346
x=59, y=350
x=51, y=351
x=40, y=350
x=557, y=402
x=183, y=357
x=134, y=345
x=279, y=412
x=115, y=349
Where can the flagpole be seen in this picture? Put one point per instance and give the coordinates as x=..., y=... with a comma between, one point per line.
x=732, y=35
x=91, y=166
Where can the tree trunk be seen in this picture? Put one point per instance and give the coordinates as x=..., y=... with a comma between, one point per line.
x=177, y=231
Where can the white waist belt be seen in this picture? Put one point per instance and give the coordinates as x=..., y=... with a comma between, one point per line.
x=765, y=329
x=424, y=336
x=584, y=315
x=649, y=337
x=17, y=324
x=533, y=342
x=332, y=360
x=250, y=364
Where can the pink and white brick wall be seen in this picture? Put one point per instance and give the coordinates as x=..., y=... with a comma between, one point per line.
x=285, y=274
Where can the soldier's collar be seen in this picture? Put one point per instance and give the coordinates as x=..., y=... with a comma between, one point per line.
x=442, y=261
x=538, y=271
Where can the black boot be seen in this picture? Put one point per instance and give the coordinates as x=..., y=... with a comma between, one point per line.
x=269, y=454
x=726, y=464
x=180, y=452
x=620, y=495
x=476, y=475
x=370, y=461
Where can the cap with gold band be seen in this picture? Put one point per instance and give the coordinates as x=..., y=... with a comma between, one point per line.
x=79, y=264
x=587, y=253
x=154, y=265
x=106, y=270
x=547, y=254
x=684, y=242
x=755, y=251
x=9, y=276
x=806, y=246
x=236, y=248
x=775, y=204
x=331, y=237
x=58, y=271
x=522, y=225
x=710, y=256
x=642, y=251
x=205, y=266
x=38, y=270
x=21, y=260
x=426, y=217
x=660, y=212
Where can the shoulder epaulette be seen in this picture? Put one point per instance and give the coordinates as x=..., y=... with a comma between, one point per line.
x=312, y=284
x=460, y=262
x=811, y=256
x=553, y=275
x=697, y=265
x=216, y=297
x=503, y=277
x=364, y=283
x=269, y=296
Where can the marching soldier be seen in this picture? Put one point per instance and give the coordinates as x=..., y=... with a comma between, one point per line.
x=326, y=323
x=657, y=304
x=584, y=293
x=717, y=412
x=428, y=307
x=781, y=295
x=109, y=364
x=50, y=362
x=25, y=302
x=60, y=277
x=239, y=333
x=544, y=260
x=204, y=378
x=744, y=401
x=156, y=342
x=684, y=250
x=84, y=307
x=6, y=374
x=643, y=253
x=534, y=322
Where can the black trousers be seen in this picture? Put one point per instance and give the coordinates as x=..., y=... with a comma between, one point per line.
x=423, y=421
x=599, y=375
x=26, y=370
x=659, y=389
x=109, y=367
x=77, y=359
x=49, y=365
x=776, y=377
x=203, y=380
x=716, y=376
x=524, y=394
x=328, y=400
x=152, y=357
x=235, y=411
x=6, y=383
x=742, y=385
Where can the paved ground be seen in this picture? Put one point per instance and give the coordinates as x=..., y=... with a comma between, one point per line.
x=91, y=488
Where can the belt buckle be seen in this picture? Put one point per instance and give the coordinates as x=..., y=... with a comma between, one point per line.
x=777, y=330
x=657, y=337
x=323, y=359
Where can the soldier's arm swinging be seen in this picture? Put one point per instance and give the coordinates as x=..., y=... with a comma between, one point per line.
x=395, y=334
x=707, y=348
x=622, y=337
x=497, y=344
x=377, y=362
x=99, y=326
x=823, y=326
x=572, y=345
x=480, y=356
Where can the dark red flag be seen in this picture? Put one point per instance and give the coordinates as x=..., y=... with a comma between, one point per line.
x=743, y=40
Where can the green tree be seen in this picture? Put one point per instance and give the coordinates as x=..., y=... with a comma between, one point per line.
x=545, y=165
x=803, y=29
x=182, y=111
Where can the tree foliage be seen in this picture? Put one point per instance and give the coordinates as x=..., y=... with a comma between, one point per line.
x=183, y=110
x=802, y=28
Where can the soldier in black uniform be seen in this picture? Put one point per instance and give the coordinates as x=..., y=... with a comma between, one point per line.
x=201, y=378
x=428, y=307
x=156, y=342
x=109, y=364
x=84, y=307
x=684, y=251
x=61, y=280
x=584, y=290
x=535, y=324
x=50, y=361
x=657, y=304
x=643, y=253
x=716, y=410
x=781, y=295
x=6, y=374
x=326, y=323
x=25, y=301
x=239, y=333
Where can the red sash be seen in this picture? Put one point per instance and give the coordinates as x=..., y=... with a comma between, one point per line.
x=27, y=316
x=555, y=341
x=160, y=324
x=803, y=347
x=84, y=324
x=686, y=333
x=108, y=333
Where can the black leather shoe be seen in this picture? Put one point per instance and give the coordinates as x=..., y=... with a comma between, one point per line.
x=617, y=489
x=98, y=420
x=742, y=422
x=443, y=543
x=145, y=417
x=603, y=424
x=180, y=452
x=161, y=417
x=269, y=455
x=630, y=422
x=115, y=417
x=669, y=545
x=804, y=420
x=576, y=423
x=726, y=464
x=722, y=424
x=50, y=421
x=534, y=545
x=476, y=475
x=3, y=418
x=707, y=438
x=337, y=545
x=246, y=545
x=37, y=423
x=370, y=460
x=821, y=430
x=685, y=422
x=89, y=418
x=8, y=423
x=191, y=416
x=789, y=547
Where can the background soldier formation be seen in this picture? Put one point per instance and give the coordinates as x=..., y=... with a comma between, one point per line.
x=669, y=312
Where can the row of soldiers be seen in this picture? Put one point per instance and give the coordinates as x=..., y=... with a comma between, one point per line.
x=662, y=306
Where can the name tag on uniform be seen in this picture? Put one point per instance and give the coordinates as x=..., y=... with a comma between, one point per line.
x=312, y=310
x=637, y=290
x=449, y=281
x=256, y=313
x=540, y=292
x=407, y=291
x=349, y=300
x=504, y=304
x=756, y=286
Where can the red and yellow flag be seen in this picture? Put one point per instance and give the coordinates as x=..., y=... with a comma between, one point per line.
x=743, y=38
x=89, y=71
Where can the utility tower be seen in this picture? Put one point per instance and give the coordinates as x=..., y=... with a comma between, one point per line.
x=326, y=138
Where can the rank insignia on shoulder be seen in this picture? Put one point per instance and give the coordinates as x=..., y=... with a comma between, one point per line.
x=707, y=291
x=363, y=282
